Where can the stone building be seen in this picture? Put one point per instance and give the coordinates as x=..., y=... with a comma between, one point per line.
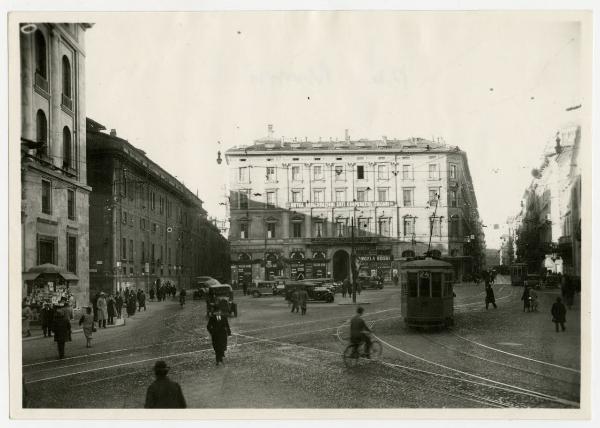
x=54, y=189
x=146, y=227
x=294, y=206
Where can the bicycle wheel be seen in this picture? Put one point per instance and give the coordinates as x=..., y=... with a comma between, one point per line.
x=375, y=350
x=350, y=356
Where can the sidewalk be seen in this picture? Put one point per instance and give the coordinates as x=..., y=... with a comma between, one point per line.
x=37, y=333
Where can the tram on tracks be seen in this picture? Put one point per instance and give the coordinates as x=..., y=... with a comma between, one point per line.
x=427, y=294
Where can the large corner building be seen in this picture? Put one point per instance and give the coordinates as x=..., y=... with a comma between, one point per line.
x=294, y=206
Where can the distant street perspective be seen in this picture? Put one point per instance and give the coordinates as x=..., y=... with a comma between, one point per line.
x=502, y=357
x=222, y=219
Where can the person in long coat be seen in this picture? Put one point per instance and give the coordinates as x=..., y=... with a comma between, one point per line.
x=295, y=297
x=26, y=319
x=111, y=309
x=303, y=300
x=62, y=332
x=219, y=330
x=141, y=300
x=163, y=393
x=489, y=296
x=87, y=322
x=102, y=311
x=131, y=304
x=119, y=304
x=559, y=314
x=525, y=298
x=345, y=287
x=47, y=317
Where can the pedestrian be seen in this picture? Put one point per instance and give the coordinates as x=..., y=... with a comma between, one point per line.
x=245, y=287
x=26, y=316
x=559, y=313
x=219, y=330
x=570, y=292
x=358, y=287
x=303, y=300
x=110, y=309
x=295, y=297
x=66, y=308
x=102, y=312
x=151, y=294
x=47, y=317
x=87, y=322
x=62, y=332
x=347, y=285
x=489, y=296
x=526, y=299
x=119, y=304
x=131, y=305
x=163, y=393
x=533, y=300
x=395, y=279
x=141, y=301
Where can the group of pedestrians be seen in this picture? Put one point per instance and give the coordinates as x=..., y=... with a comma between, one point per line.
x=161, y=292
x=299, y=300
x=347, y=289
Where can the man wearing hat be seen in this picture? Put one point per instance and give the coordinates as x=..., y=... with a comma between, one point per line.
x=102, y=310
x=163, y=393
x=219, y=330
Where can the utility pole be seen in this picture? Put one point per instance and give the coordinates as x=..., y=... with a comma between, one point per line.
x=353, y=261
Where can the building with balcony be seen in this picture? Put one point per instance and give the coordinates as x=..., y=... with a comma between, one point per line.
x=300, y=208
x=146, y=227
x=54, y=188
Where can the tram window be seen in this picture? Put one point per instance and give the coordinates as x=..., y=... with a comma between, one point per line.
x=412, y=284
x=436, y=285
x=424, y=287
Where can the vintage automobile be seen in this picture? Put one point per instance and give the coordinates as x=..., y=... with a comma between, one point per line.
x=315, y=291
x=220, y=296
x=366, y=282
x=201, y=286
x=261, y=288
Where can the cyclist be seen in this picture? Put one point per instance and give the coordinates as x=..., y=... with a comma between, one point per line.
x=359, y=332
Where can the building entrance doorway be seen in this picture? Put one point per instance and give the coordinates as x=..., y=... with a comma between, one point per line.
x=341, y=265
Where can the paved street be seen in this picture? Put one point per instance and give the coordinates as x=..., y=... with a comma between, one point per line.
x=495, y=358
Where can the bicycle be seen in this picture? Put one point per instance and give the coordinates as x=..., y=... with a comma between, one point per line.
x=354, y=352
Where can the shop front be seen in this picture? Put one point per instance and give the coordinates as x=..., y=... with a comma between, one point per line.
x=297, y=265
x=319, y=265
x=244, y=269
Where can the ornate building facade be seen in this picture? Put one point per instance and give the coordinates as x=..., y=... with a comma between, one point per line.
x=299, y=209
x=54, y=188
x=146, y=227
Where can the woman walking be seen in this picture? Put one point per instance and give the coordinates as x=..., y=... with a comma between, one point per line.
x=87, y=322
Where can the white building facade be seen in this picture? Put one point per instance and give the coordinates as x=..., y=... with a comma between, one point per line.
x=295, y=205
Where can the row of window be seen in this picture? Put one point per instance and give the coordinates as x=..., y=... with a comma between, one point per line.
x=47, y=200
x=318, y=196
x=41, y=125
x=146, y=257
x=47, y=251
x=318, y=173
x=363, y=228
x=41, y=70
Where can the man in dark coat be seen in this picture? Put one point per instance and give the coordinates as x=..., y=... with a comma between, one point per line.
x=163, y=393
x=489, y=296
x=359, y=331
x=47, y=317
x=141, y=300
x=302, y=300
x=119, y=304
x=526, y=299
x=295, y=297
x=62, y=332
x=219, y=330
x=559, y=313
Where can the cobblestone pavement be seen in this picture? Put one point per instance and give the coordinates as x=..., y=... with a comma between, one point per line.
x=496, y=358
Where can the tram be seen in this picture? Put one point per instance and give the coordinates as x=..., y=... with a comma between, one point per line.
x=518, y=274
x=427, y=295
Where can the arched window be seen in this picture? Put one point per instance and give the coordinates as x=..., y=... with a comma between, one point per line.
x=40, y=55
x=66, y=148
x=41, y=129
x=66, y=77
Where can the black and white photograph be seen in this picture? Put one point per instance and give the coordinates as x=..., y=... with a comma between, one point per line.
x=325, y=210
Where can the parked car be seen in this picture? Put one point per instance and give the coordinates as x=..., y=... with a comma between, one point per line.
x=372, y=282
x=220, y=296
x=315, y=291
x=201, y=286
x=260, y=288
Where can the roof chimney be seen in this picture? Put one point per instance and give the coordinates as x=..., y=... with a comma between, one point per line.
x=113, y=132
x=347, y=135
x=270, y=131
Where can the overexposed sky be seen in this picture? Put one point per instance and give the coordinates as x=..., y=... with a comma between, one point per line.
x=497, y=85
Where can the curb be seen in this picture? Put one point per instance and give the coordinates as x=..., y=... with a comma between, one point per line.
x=79, y=330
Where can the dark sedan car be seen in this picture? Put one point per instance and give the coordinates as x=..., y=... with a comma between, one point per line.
x=315, y=291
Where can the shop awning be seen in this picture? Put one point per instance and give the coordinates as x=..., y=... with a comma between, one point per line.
x=69, y=276
x=30, y=276
x=48, y=269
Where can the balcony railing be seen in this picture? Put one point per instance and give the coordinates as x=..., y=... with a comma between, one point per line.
x=41, y=82
x=67, y=102
x=344, y=204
